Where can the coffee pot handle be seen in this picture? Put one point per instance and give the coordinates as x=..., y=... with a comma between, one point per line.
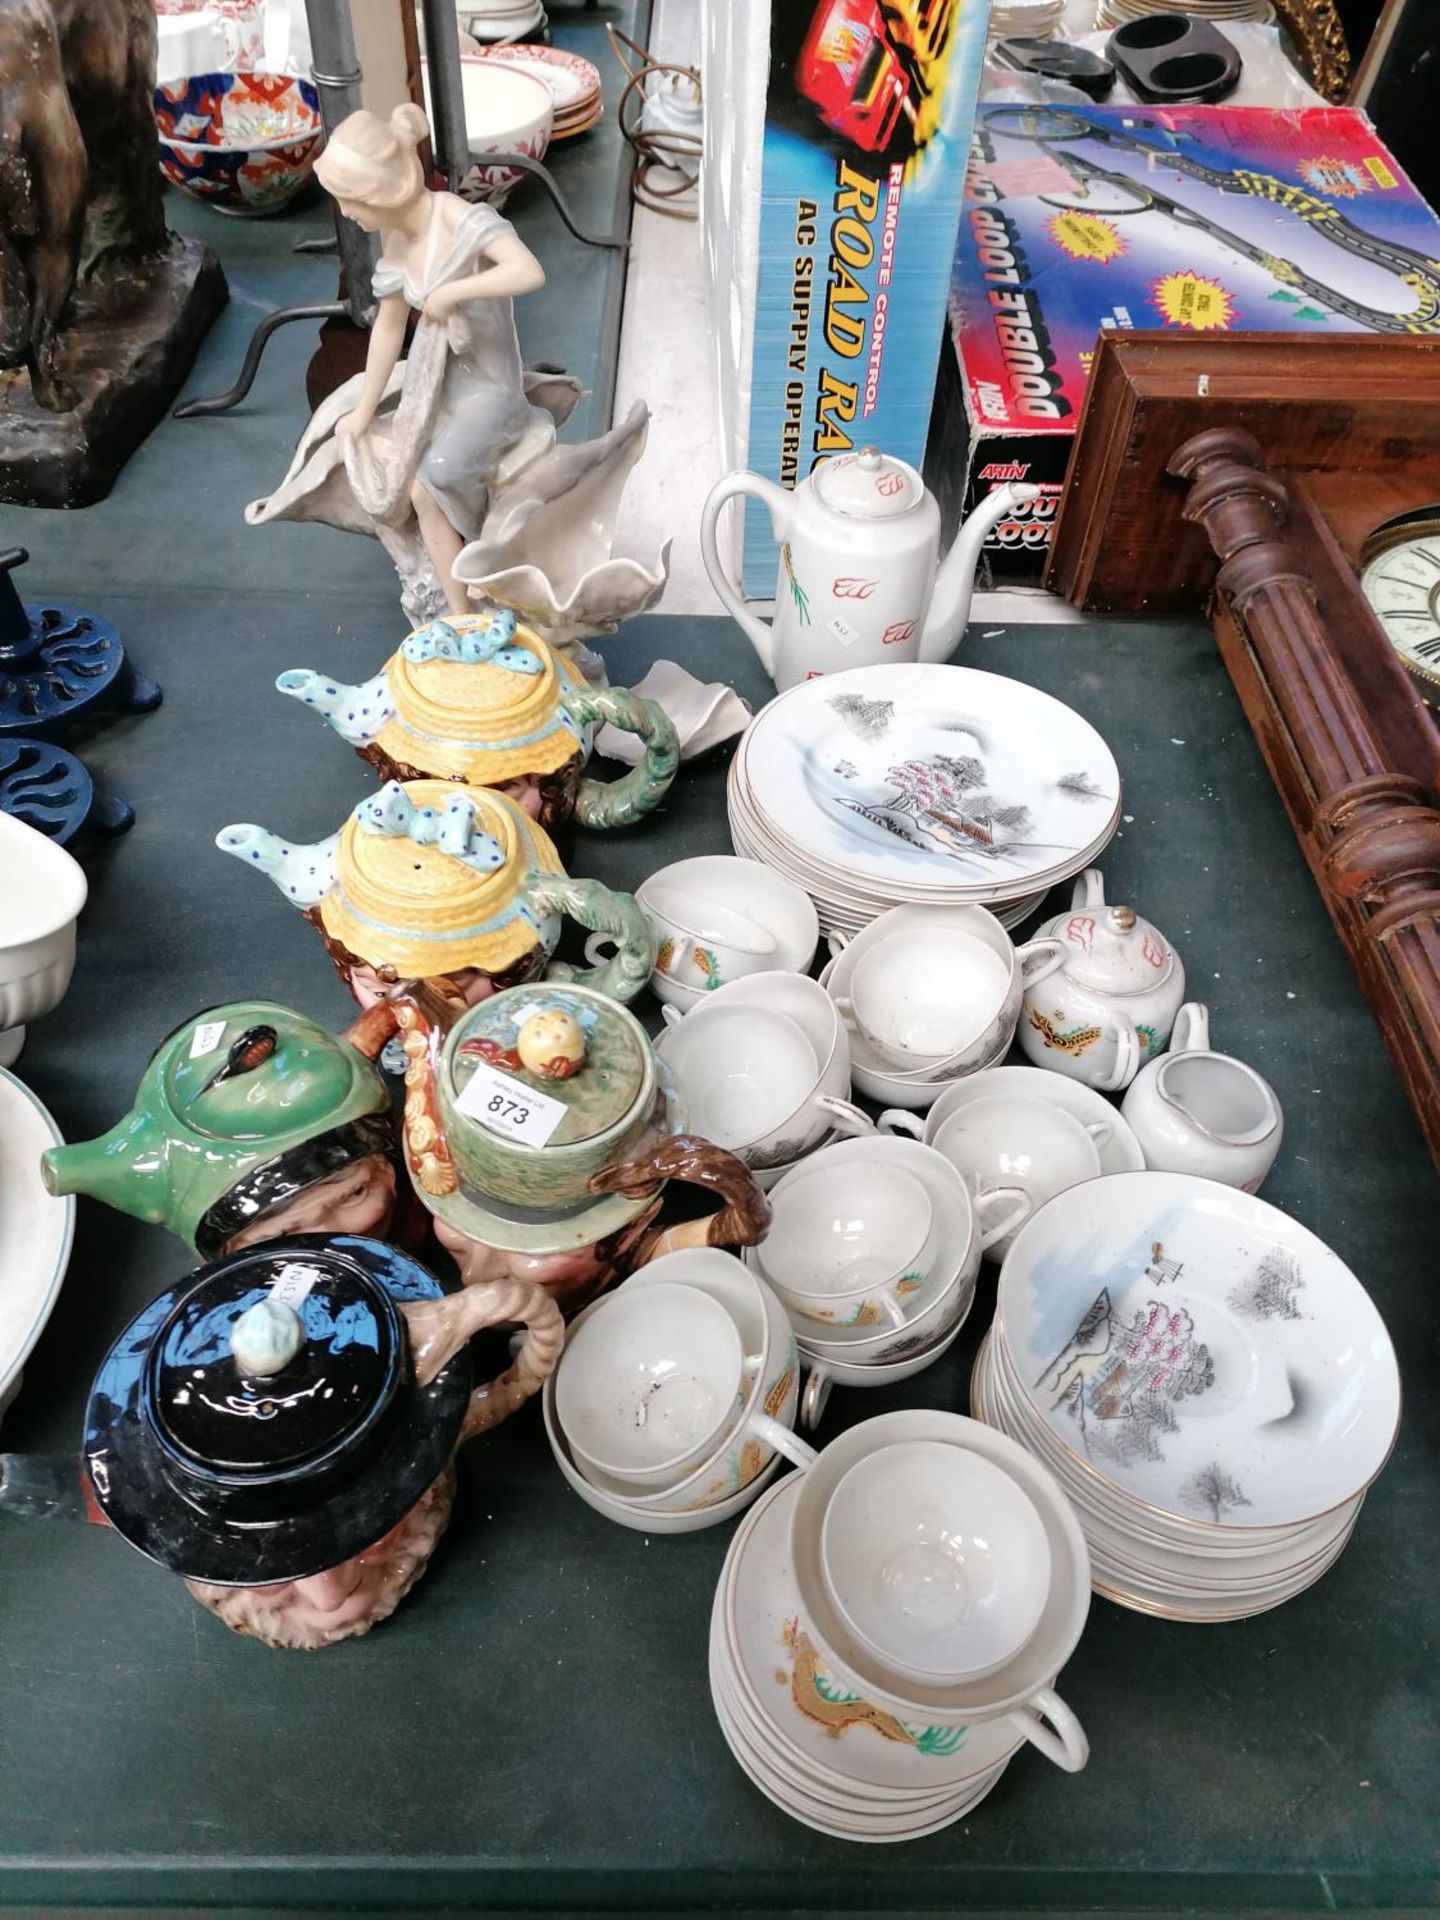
x=743, y=1217
x=761, y=636
x=438, y=1330
x=602, y=804
x=596, y=907
x=1089, y=890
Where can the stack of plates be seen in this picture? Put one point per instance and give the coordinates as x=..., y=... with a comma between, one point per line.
x=1035, y=19
x=497, y=22
x=1210, y=1384
x=574, y=84
x=36, y=1230
x=923, y=785
x=1115, y=13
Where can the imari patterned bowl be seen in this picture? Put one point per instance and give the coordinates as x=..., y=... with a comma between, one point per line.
x=242, y=142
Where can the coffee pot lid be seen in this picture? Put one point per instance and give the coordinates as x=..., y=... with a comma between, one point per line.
x=261, y=1422
x=1114, y=950
x=567, y=1045
x=868, y=485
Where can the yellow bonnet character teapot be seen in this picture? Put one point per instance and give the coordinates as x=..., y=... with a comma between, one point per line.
x=454, y=885
x=482, y=700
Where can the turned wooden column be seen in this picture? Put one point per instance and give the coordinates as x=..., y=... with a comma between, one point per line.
x=1375, y=831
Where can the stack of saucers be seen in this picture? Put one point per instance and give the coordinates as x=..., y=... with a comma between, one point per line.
x=676, y=1395
x=1210, y=1384
x=873, y=1249
x=574, y=84
x=1032, y=19
x=1115, y=13
x=921, y=784
x=889, y=1624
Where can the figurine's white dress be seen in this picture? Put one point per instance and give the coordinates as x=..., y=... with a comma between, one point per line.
x=482, y=413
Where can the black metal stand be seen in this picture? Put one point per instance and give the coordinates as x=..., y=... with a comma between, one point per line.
x=250, y=366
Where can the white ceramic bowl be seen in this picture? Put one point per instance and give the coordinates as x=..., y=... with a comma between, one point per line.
x=649, y=1385
x=851, y=1246
x=40, y=901
x=763, y=896
x=506, y=111
x=936, y=1559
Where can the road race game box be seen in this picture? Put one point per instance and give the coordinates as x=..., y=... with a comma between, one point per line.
x=1209, y=218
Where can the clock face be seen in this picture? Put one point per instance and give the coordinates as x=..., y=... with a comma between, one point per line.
x=1400, y=577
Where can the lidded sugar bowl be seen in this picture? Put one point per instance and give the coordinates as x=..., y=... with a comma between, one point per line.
x=541, y=1130
x=482, y=700
x=1113, y=1001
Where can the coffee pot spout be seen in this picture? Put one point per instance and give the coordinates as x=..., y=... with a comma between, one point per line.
x=955, y=582
x=304, y=874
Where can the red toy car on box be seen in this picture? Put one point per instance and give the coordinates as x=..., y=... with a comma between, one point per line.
x=866, y=65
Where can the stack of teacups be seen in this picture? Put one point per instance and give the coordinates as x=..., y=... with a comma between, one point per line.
x=717, y=918
x=931, y=995
x=889, y=1625
x=762, y=1068
x=676, y=1395
x=1210, y=1384
x=873, y=1249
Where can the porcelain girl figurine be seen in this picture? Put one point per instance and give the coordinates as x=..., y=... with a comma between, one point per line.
x=453, y=446
x=457, y=886
x=250, y=1122
x=481, y=700
x=459, y=265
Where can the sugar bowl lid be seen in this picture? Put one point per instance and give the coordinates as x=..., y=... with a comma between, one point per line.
x=570, y=1045
x=868, y=485
x=260, y=1422
x=1114, y=951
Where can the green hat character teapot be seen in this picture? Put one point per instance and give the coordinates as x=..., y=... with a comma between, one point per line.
x=485, y=701
x=251, y=1121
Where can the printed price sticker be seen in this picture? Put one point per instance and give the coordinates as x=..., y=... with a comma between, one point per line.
x=207, y=1038
x=294, y=1284
x=844, y=632
x=507, y=1106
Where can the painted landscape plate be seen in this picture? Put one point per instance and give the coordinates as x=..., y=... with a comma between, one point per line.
x=918, y=780
x=1199, y=1351
x=35, y=1228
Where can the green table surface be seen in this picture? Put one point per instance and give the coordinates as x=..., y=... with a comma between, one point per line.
x=532, y=1731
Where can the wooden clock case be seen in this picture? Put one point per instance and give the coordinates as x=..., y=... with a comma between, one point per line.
x=1251, y=468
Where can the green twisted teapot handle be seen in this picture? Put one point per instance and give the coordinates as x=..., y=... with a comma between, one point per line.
x=595, y=906
x=620, y=803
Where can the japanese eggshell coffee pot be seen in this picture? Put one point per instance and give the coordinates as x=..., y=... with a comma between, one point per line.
x=860, y=580
x=540, y=1131
x=250, y=1120
x=279, y=1429
x=1113, y=1002
x=433, y=882
x=481, y=700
